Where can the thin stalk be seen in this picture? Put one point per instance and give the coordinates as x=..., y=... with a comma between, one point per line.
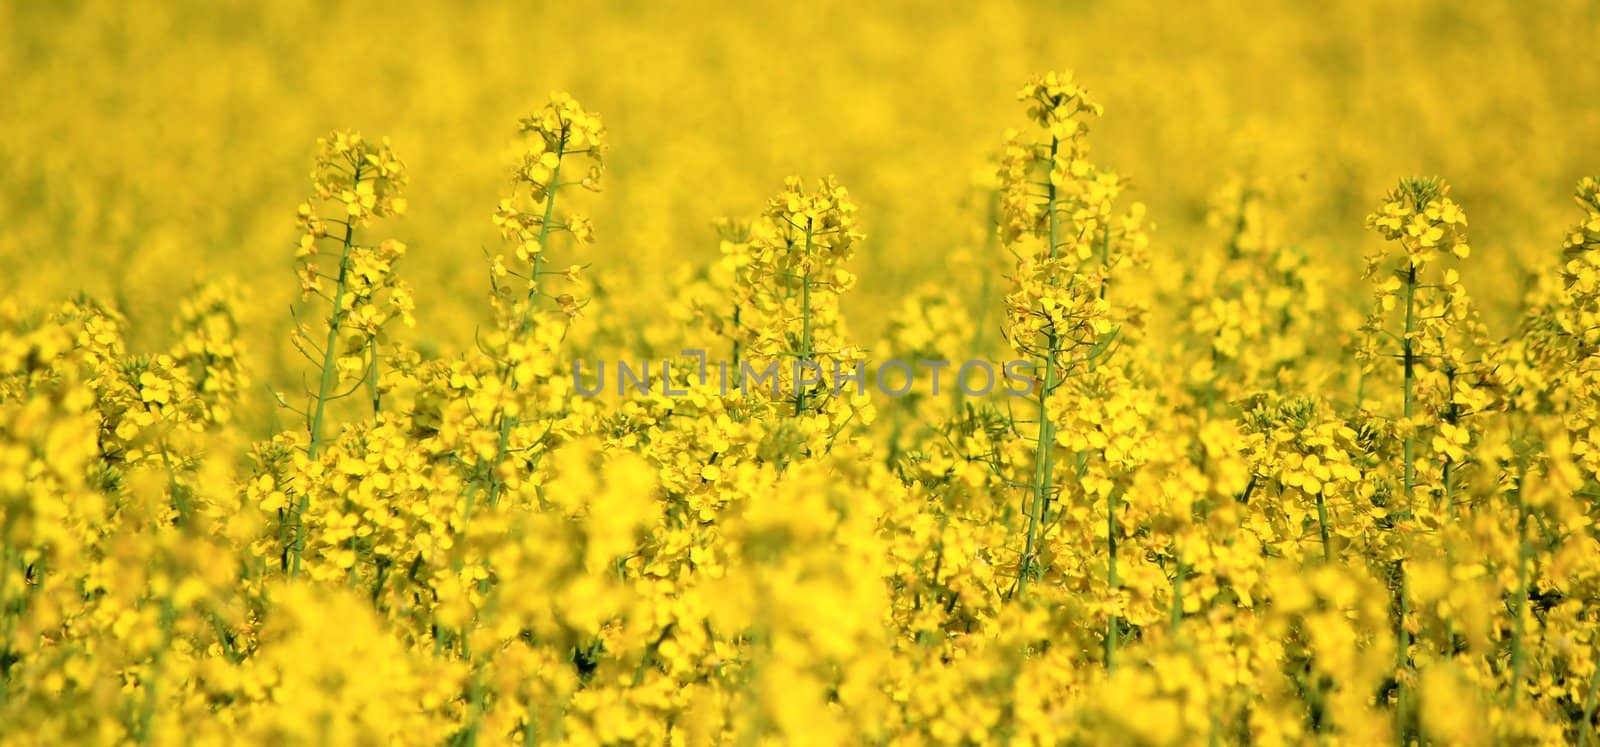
x=1409, y=391
x=530, y=731
x=285, y=517
x=1239, y=224
x=805, y=321
x=1045, y=446
x=372, y=376
x=738, y=379
x=1402, y=699
x=1111, y=578
x=6, y=615
x=507, y=422
x=5, y=572
x=477, y=690
x=1113, y=621
x=224, y=639
x=179, y=500
x=1521, y=600
x=382, y=571
x=1176, y=616
x=1105, y=259
x=1586, y=728
x=1452, y=416
x=148, y=710
x=329, y=379
x=1402, y=652
x=1322, y=525
x=330, y=369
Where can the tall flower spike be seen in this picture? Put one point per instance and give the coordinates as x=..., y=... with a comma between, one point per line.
x=360, y=181
x=1436, y=339
x=554, y=137
x=795, y=276
x=1424, y=222
x=1063, y=110
x=559, y=139
x=1057, y=219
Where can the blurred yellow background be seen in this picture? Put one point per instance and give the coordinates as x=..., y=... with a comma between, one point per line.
x=146, y=145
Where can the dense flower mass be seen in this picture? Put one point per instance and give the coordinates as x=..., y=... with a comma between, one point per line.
x=1244, y=500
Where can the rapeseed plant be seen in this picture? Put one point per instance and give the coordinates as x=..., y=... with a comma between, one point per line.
x=1186, y=532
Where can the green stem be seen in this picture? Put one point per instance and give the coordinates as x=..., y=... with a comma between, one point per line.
x=530, y=730
x=1586, y=728
x=1322, y=524
x=224, y=638
x=180, y=500
x=1105, y=260
x=805, y=321
x=508, y=377
x=330, y=375
x=1453, y=417
x=1112, y=619
x=1045, y=446
x=1239, y=224
x=372, y=376
x=1410, y=360
x=1521, y=601
x=1177, y=591
x=330, y=369
x=148, y=710
x=6, y=614
x=1403, y=657
x=1402, y=652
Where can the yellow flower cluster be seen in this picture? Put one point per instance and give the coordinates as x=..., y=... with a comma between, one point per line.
x=1259, y=301
x=1202, y=523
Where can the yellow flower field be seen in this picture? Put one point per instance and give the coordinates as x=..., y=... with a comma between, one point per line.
x=800, y=373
